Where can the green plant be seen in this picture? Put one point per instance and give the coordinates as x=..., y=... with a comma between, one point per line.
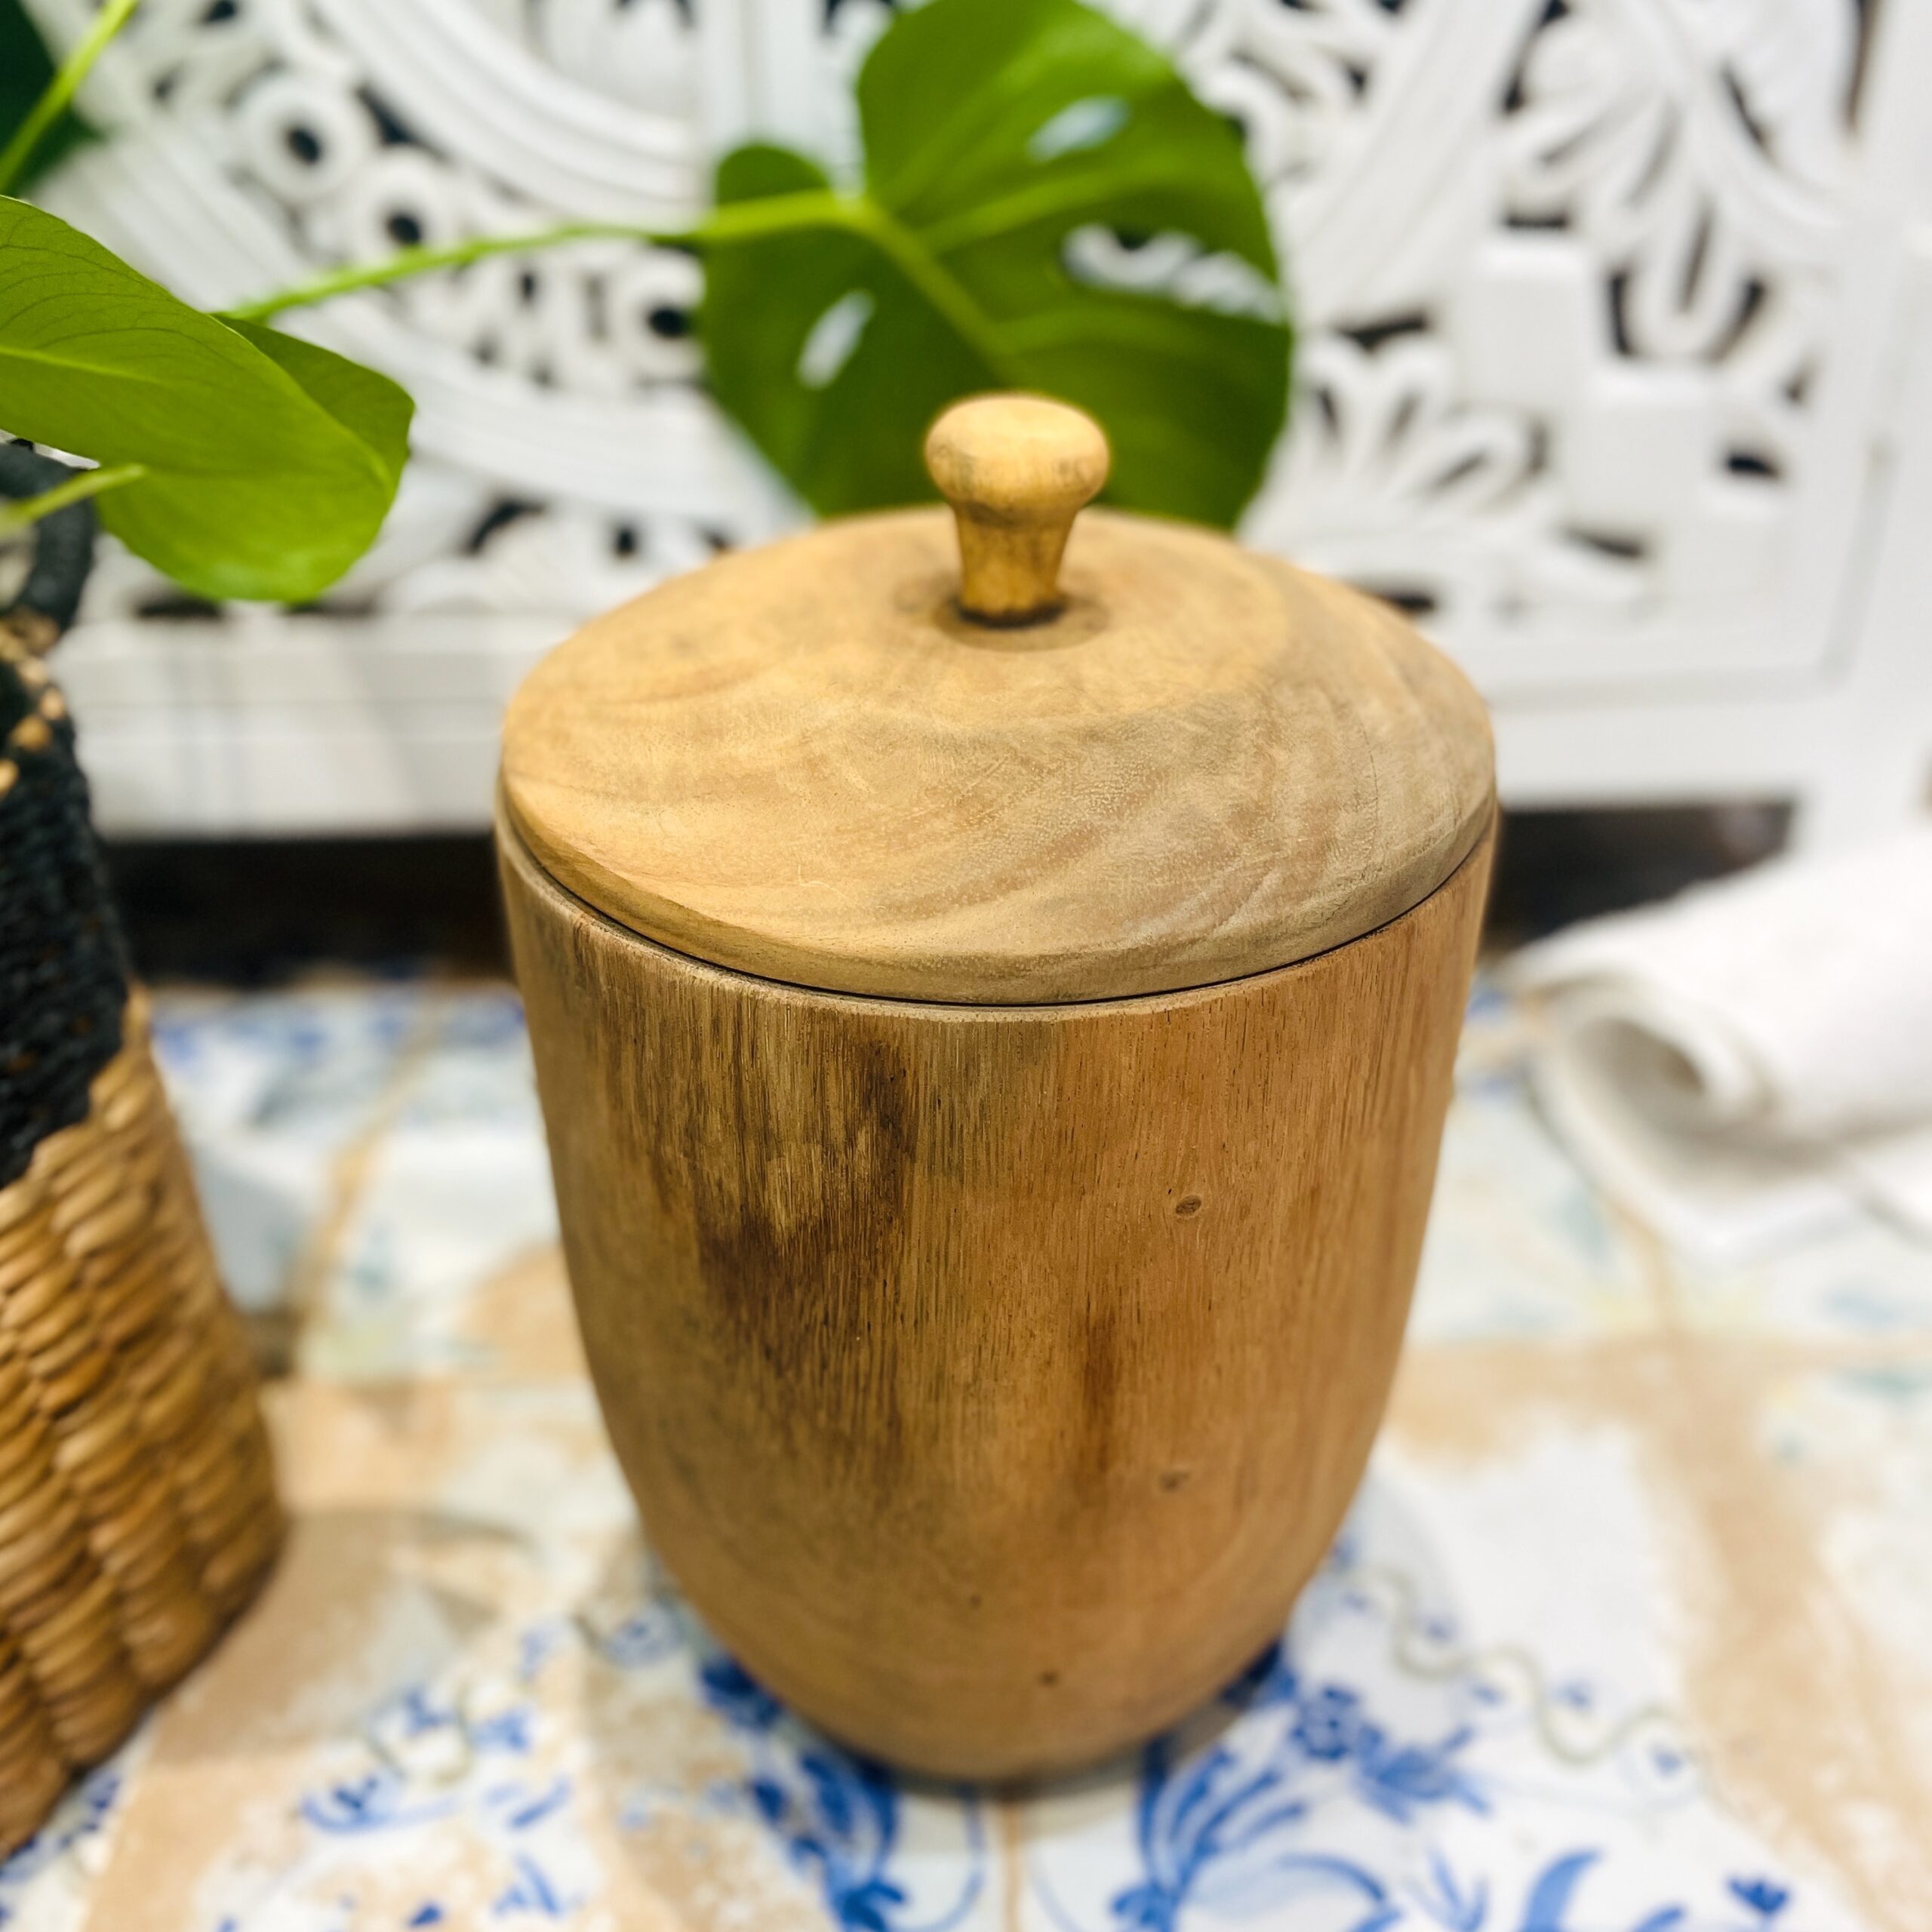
x=1001, y=137
x=240, y=462
x=37, y=126
x=1013, y=149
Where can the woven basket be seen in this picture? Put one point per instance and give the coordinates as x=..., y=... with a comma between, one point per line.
x=137, y=1507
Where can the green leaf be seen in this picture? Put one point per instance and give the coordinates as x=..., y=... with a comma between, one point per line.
x=366, y=405
x=758, y=168
x=25, y=69
x=1016, y=151
x=271, y=462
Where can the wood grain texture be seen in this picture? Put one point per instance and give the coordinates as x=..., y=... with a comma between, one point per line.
x=1015, y=468
x=992, y=1379
x=805, y=763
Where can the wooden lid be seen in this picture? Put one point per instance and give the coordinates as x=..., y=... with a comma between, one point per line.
x=835, y=761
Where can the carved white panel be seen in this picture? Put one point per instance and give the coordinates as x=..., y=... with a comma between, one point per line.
x=1566, y=275
x=565, y=457
x=1580, y=351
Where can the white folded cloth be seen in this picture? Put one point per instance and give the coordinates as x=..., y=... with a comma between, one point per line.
x=1751, y=1061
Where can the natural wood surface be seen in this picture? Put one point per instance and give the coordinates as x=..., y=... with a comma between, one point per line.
x=1015, y=468
x=804, y=762
x=992, y=1379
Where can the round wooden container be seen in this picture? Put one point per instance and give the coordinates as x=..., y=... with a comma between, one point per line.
x=994, y=1035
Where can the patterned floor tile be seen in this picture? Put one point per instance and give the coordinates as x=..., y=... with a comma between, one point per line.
x=1624, y=1633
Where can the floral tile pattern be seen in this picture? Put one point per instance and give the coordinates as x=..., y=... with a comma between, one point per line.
x=1624, y=1633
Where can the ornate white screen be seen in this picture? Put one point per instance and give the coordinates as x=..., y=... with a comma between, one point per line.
x=1567, y=276
x=1571, y=277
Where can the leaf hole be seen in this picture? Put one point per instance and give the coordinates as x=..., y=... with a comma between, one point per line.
x=834, y=339
x=1172, y=266
x=1078, y=127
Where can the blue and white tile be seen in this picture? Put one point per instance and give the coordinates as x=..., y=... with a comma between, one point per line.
x=271, y=1090
x=486, y=1707
x=456, y=1193
x=467, y=1701
x=1518, y=1244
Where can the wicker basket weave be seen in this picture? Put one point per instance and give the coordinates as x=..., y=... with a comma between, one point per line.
x=137, y=1507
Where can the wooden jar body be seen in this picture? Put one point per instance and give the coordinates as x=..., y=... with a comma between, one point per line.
x=991, y=1378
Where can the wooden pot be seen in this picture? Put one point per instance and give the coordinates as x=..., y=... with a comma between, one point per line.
x=992, y=1334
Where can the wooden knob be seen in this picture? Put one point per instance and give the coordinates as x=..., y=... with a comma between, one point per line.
x=1015, y=468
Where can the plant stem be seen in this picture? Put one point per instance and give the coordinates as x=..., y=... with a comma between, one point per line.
x=399, y=267
x=736, y=221
x=82, y=485
x=60, y=89
x=815, y=208
x=936, y=283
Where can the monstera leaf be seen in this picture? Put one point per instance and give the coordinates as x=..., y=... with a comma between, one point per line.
x=262, y=466
x=1045, y=206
